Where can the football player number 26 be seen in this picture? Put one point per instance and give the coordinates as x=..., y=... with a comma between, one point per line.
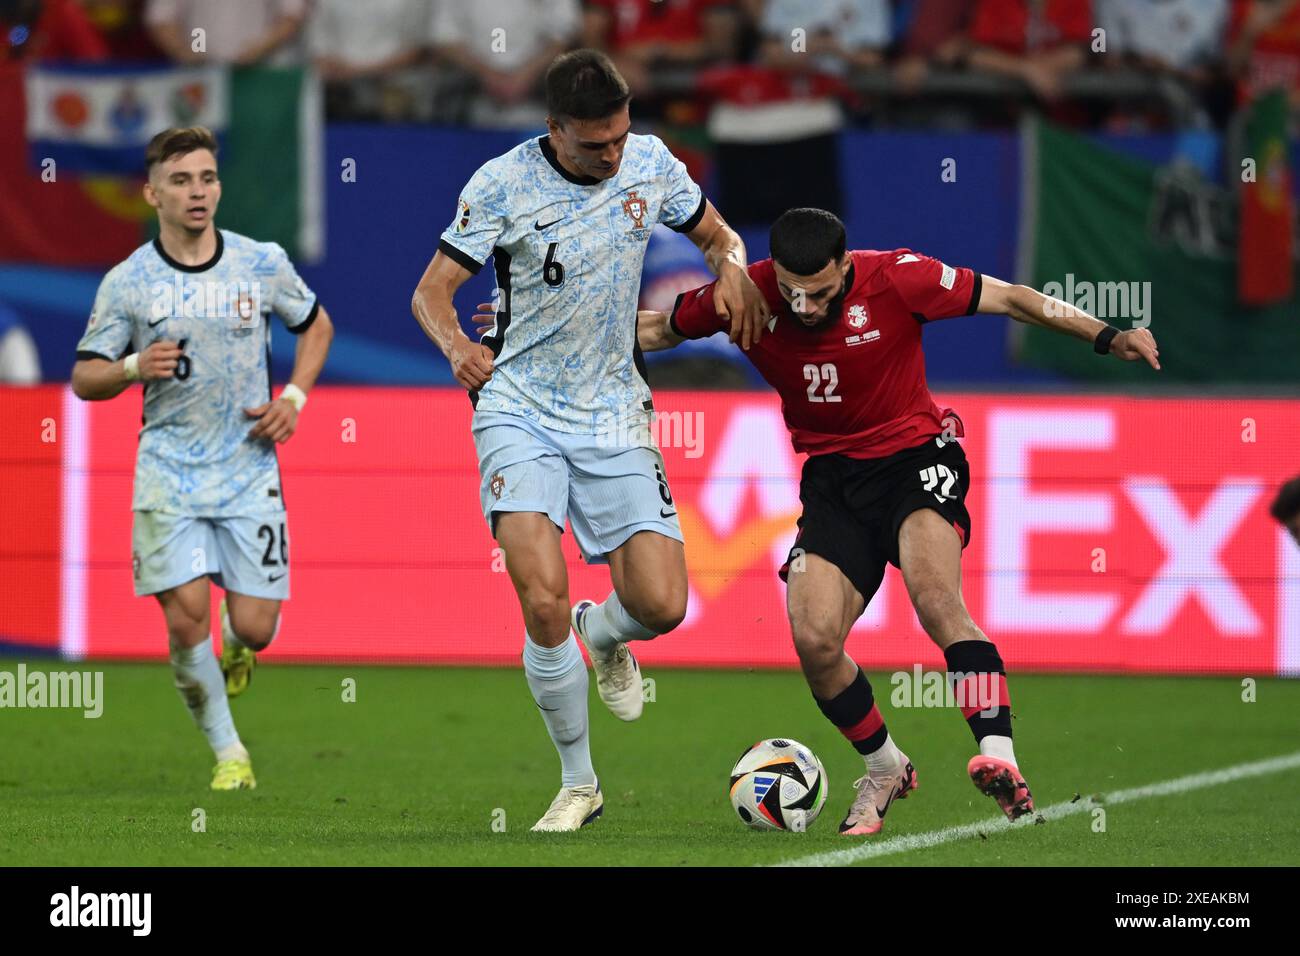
x=822, y=375
x=267, y=532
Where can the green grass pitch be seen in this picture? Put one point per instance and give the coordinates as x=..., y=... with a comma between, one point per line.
x=419, y=768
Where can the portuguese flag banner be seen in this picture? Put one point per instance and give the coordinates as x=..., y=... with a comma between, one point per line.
x=71, y=163
x=1140, y=245
x=1265, y=271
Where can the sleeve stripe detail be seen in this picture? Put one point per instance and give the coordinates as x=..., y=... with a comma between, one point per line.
x=696, y=216
x=84, y=355
x=462, y=259
x=302, y=326
x=976, y=289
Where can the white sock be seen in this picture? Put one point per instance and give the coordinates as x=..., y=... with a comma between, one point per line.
x=201, y=685
x=1000, y=747
x=608, y=625
x=557, y=676
x=888, y=757
x=235, y=751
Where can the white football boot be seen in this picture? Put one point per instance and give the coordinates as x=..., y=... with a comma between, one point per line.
x=572, y=809
x=618, y=678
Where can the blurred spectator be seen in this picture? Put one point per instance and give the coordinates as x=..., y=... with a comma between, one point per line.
x=642, y=35
x=935, y=37
x=1183, y=37
x=1264, y=47
x=366, y=54
x=239, y=32
x=121, y=24
x=19, y=362
x=48, y=30
x=506, y=46
x=838, y=35
x=1037, y=41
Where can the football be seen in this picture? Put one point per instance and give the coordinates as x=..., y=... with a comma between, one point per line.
x=778, y=784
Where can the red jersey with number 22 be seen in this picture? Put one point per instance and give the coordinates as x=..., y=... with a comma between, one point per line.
x=855, y=387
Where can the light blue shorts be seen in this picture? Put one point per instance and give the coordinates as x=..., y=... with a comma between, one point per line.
x=607, y=490
x=246, y=555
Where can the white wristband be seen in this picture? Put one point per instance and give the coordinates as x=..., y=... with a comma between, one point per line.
x=295, y=395
x=131, y=367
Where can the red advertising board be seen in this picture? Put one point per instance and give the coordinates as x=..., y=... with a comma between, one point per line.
x=1109, y=534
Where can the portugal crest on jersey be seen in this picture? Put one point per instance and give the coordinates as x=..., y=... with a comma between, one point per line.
x=635, y=209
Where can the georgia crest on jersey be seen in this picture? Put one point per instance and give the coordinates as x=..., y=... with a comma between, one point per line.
x=195, y=457
x=568, y=253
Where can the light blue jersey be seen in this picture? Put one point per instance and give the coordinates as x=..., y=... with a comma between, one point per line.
x=195, y=456
x=568, y=252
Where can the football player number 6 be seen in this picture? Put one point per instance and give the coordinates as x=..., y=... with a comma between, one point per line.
x=816, y=376
x=552, y=271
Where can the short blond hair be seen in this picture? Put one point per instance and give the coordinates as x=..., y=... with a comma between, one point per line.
x=178, y=141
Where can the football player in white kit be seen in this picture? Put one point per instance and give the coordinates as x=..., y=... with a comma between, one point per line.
x=189, y=316
x=561, y=406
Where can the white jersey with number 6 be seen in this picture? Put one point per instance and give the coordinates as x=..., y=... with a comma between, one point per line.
x=568, y=253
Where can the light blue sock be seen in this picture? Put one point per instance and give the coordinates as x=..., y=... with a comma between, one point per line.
x=202, y=686
x=609, y=624
x=557, y=676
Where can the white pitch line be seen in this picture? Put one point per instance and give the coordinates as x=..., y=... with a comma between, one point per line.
x=921, y=841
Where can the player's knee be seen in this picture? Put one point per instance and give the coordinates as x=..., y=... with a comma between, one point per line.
x=259, y=637
x=664, y=612
x=547, y=612
x=660, y=609
x=186, y=631
x=816, y=639
x=256, y=630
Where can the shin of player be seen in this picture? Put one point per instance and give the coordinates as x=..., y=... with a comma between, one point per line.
x=822, y=605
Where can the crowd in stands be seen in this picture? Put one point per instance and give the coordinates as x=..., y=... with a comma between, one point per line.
x=481, y=61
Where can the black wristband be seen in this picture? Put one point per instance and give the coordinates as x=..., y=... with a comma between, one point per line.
x=1101, y=345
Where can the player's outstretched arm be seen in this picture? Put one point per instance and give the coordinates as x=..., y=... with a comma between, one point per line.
x=736, y=298
x=278, y=420
x=654, y=332
x=1033, y=308
x=98, y=379
x=432, y=307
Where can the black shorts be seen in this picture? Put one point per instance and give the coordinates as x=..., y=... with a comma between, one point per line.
x=853, y=508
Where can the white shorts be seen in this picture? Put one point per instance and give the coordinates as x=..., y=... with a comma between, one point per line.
x=608, y=492
x=246, y=555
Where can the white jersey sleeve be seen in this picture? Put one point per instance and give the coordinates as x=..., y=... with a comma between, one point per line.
x=684, y=203
x=481, y=218
x=291, y=299
x=110, y=328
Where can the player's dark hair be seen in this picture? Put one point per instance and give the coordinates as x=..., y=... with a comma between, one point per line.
x=584, y=85
x=805, y=240
x=1287, y=503
x=178, y=141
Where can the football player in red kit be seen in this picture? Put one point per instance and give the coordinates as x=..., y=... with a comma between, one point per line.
x=884, y=481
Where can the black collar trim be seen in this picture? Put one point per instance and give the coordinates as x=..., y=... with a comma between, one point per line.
x=548, y=151
x=201, y=267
